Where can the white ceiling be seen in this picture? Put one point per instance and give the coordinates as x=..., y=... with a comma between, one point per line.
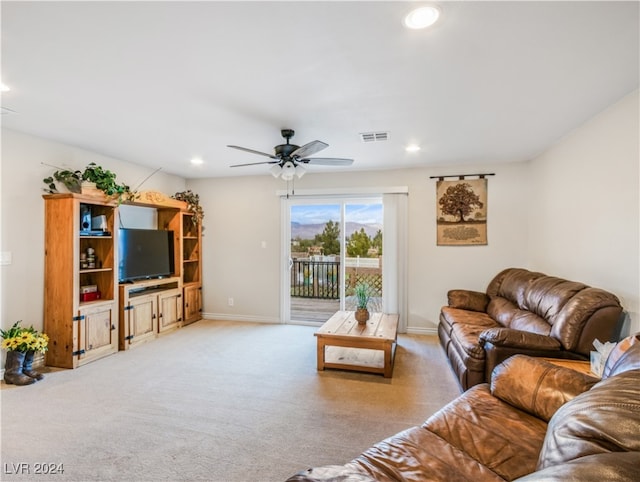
x=157, y=83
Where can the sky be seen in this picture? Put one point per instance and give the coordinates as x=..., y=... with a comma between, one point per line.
x=321, y=213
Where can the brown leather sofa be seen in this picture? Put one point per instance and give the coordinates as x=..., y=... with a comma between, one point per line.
x=536, y=421
x=523, y=312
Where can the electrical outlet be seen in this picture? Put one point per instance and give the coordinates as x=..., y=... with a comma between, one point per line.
x=230, y=301
x=5, y=258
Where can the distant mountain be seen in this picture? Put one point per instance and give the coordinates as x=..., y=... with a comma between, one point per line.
x=309, y=231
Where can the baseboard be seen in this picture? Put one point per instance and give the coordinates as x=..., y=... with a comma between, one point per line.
x=248, y=318
x=264, y=319
x=416, y=330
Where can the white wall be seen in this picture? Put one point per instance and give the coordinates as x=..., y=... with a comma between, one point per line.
x=242, y=212
x=585, y=206
x=573, y=212
x=23, y=214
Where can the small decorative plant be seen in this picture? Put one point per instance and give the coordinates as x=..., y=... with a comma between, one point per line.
x=193, y=204
x=104, y=179
x=69, y=179
x=362, y=300
x=362, y=295
x=18, y=338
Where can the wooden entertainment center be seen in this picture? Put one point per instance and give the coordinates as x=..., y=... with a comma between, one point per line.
x=87, y=314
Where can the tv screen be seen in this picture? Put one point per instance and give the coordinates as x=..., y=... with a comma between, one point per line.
x=144, y=254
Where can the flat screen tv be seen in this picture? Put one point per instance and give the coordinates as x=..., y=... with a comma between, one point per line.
x=144, y=254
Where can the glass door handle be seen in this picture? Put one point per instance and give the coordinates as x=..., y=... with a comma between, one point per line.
x=290, y=263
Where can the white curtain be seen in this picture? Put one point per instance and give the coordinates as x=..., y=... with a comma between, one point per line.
x=394, y=256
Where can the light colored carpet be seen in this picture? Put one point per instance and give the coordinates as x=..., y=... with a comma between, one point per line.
x=216, y=401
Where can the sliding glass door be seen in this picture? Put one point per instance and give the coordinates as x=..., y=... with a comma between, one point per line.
x=331, y=245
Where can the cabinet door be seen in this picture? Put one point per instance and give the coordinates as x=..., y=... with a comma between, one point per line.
x=169, y=310
x=97, y=332
x=192, y=303
x=141, y=318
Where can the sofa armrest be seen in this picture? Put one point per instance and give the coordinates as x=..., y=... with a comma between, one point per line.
x=508, y=337
x=537, y=386
x=468, y=300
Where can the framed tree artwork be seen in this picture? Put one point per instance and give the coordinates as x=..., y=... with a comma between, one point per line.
x=462, y=212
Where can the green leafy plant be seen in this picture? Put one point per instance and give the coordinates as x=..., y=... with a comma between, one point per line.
x=104, y=179
x=18, y=338
x=363, y=296
x=193, y=204
x=69, y=179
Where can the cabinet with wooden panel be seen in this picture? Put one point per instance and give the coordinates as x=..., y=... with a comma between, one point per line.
x=149, y=308
x=80, y=296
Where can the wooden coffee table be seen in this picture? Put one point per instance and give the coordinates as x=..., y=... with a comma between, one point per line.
x=346, y=345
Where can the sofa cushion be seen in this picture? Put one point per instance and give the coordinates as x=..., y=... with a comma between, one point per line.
x=502, y=310
x=511, y=284
x=547, y=295
x=530, y=322
x=417, y=455
x=536, y=386
x=467, y=337
x=491, y=432
x=604, y=419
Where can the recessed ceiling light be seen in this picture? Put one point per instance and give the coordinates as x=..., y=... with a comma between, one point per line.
x=196, y=161
x=422, y=17
x=412, y=148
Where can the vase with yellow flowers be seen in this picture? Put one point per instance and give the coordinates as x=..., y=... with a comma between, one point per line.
x=21, y=344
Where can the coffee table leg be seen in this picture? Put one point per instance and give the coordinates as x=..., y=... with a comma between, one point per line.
x=388, y=361
x=320, y=354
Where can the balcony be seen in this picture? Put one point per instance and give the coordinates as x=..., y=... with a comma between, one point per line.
x=315, y=286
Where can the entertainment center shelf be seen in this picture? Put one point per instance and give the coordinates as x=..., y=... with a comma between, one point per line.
x=88, y=314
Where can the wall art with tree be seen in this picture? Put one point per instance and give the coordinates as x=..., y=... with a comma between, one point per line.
x=462, y=212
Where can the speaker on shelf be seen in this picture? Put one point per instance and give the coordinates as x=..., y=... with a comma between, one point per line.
x=99, y=223
x=85, y=217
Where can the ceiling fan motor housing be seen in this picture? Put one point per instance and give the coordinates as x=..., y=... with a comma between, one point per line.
x=283, y=151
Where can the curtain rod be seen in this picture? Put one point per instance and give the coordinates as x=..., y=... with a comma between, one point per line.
x=462, y=176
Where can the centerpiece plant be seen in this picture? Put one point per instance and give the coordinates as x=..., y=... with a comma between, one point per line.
x=21, y=344
x=362, y=292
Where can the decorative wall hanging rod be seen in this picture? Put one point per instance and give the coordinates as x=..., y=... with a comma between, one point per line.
x=462, y=176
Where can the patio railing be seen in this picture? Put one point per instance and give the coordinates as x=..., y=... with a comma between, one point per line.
x=321, y=279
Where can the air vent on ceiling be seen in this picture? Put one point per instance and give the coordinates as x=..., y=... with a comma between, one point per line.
x=374, y=136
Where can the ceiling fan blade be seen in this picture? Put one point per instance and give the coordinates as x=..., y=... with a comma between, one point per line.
x=327, y=161
x=256, y=163
x=309, y=149
x=254, y=152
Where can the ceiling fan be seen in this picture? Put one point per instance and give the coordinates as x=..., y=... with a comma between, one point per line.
x=289, y=158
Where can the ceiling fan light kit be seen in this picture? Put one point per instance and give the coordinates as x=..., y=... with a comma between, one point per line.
x=288, y=158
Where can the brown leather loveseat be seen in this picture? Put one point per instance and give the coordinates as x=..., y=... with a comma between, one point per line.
x=536, y=421
x=523, y=312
